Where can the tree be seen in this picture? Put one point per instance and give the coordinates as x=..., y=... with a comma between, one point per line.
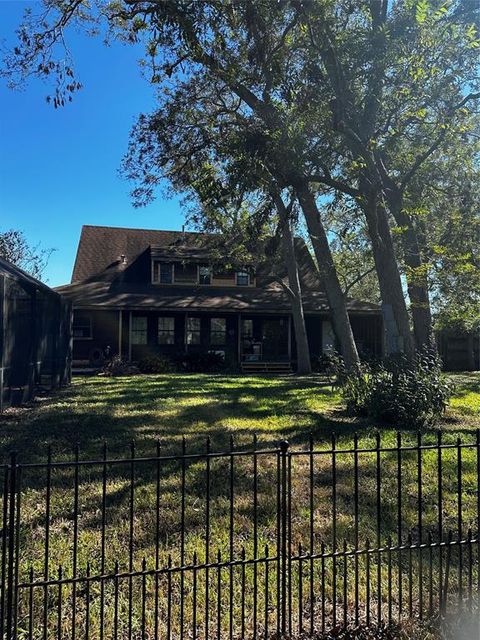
x=348, y=98
x=15, y=248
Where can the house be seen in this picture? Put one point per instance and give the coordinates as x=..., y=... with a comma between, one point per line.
x=138, y=292
x=35, y=336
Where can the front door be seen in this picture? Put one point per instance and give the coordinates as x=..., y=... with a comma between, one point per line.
x=275, y=339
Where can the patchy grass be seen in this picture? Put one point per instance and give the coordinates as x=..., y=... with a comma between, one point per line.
x=163, y=408
x=166, y=407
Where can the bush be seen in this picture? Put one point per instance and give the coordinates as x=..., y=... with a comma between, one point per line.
x=411, y=394
x=155, y=364
x=118, y=367
x=201, y=362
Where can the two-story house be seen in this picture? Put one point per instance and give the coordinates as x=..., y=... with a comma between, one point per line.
x=138, y=292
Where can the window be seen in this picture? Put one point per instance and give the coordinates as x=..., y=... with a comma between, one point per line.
x=218, y=331
x=247, y=328
x=82, y=327
x=193, y=330
x=243, y=278
x=139, y=330
x=163, y=272
x=204, y=275
x=166, y=331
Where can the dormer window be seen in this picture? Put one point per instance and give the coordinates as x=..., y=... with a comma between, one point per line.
x=163, y=272
x=204, y=274
x=243, y=279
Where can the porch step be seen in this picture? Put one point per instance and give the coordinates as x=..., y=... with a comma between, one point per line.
x=266, y=367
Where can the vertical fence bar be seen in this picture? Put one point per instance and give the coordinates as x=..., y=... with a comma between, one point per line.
x=157, y=543
x=255, y=536
x=300, y=589
x=11, y=544
x=17, y=549
x=5, y=504
x=284, y=525
x=231, y=537
x=219, y=595
x=367, y=580
x=207, y=536
x=266, y=634
x=47, y=542
x=459, y=521
x=356, y=524
x=478, y=524
x=130, y=541
x=420, y=524
x=289, y=537
x=182, y=540
x=311, y=532
x=75, y=541
x=399, y=522
x=334, y=530
x=102, y=543
x=379, y=524
x=440, y=516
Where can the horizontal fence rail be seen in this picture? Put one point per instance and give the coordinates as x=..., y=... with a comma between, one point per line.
x=252, y=542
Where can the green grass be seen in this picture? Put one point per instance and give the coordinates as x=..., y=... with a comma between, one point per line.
x=164, y=408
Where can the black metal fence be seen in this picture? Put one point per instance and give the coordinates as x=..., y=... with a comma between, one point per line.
x=35, y=336
x=244, y=543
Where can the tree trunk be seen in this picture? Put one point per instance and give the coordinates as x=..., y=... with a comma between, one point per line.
x=304, y=366
x=328, y=275
x=397, y=325
x=416, y=278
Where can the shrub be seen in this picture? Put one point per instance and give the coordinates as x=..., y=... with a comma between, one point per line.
x=118, y=367
x=155, y=364
x=412, y=394
x=201, y=362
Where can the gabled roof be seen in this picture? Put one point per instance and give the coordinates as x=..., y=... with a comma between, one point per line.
x=106, y=255
x=101, y=247
x=22, y=276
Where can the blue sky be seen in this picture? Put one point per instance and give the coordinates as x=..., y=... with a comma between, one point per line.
x=59, y=168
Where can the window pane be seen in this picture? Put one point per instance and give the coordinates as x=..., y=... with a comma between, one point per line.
x=193, y=324
x=166, y=273
x=82, y=327
x=204, y=275
x=247, y=328
x=193, y=330
x=218, y=324
x=166, y=331
x=139, y=330
x=166, y=324
x=243, y=278
x=218, y=331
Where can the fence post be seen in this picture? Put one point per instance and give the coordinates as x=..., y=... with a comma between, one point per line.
x=12, y=489
x=284, y=524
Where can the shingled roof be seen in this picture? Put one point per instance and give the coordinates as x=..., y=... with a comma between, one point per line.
x=101, y=247
x=105, y=254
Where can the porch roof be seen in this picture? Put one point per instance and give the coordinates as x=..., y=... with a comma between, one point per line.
x=115, y=295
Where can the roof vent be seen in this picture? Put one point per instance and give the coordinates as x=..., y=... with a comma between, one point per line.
x=123, y=259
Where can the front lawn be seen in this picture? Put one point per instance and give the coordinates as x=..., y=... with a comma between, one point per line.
x=164, y=408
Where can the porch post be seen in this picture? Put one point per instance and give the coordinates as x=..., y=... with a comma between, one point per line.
x=130, y=336
x=290, y=338
x=185, y=332
x=120, y=328
x=239, y=338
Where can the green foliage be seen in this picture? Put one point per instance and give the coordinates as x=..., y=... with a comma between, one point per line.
x=155, y=364
x=405, y=394
x=15, y=248
x=201, y=362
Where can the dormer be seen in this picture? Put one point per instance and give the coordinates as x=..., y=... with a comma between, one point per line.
x=191, y=266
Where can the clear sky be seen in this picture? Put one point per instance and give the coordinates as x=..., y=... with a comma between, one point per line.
x=59, y=168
